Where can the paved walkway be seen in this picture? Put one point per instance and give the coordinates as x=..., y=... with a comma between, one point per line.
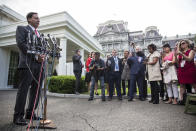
x=77, y=114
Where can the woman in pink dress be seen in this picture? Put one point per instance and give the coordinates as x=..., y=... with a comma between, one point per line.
x=186, y=69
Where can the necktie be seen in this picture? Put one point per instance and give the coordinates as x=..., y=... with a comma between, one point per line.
x=37, y=34
x=116, y=64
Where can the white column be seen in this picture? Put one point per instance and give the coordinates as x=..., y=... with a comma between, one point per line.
x=82, y=54
x=82, y=60
x=4, y=68
x=61, y=68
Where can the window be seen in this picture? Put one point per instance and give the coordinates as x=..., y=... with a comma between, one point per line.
x=103, y=47
x=110, y=47
x=14, y=58
x=117, y=46
x=151, y=34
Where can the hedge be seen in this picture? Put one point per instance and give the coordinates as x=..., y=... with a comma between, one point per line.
x=65, y=84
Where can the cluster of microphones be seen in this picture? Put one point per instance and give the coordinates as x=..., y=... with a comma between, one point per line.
x=43, y=45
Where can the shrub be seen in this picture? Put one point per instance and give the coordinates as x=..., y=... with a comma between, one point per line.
x=65, y=84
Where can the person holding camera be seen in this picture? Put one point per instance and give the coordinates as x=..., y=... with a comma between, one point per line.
x=125, y=72
x=154, y=73
x=97, y=67
x=136, y=76
x=114, y=65
x=132, y=48
x=186, y=69
x=77, y=69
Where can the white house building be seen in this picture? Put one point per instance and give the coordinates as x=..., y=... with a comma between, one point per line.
x=70, y=35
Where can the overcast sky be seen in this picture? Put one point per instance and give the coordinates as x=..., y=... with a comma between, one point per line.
x=170, y=16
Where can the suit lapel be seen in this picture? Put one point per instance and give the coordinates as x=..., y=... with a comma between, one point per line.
x=30, y=29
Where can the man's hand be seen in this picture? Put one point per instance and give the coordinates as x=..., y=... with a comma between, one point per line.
x=145, y=61
x=130, y=55
x=124, y=61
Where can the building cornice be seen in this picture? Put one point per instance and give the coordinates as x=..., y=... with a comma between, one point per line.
x=62, y=19
x=11, y=13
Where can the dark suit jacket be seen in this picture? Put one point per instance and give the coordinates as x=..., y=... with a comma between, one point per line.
x=21, y=40
x=77, y=64
x=142, y=66
x=111, y=67
x=134, y=65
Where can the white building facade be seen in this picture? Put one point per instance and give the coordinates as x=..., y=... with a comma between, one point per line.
x=172, y=40
x=113, y=35
x=143, y=39
x=70, y=35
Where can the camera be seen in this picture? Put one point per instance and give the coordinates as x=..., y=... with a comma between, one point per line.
x=96, y=66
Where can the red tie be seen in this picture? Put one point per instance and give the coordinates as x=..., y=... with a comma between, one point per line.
x=36, y=33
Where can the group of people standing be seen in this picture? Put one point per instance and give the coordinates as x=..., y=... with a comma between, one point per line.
x=164, y=71
x=114, y=72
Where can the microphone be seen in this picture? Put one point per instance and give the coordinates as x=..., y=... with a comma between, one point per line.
x=29, y=37
x=54, y=38
x=51, y=39
x=34, y=38
x=42, y=39
x=42, y=35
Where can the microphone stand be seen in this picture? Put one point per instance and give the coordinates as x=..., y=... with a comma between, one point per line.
x=46, y=123
x=52, y=52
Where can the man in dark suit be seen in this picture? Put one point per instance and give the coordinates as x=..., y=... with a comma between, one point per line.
x=77, y=69
x=136, y=75
x=141, y=58
x=29, y=70
x=114, y=65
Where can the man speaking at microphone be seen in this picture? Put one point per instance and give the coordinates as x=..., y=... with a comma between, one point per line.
x=29, y=70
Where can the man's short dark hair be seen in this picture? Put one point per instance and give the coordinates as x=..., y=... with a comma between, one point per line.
x=97, y=53
x=30, y=15
x=76, y=51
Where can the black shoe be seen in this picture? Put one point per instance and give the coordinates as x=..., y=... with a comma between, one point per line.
x=120, y=98
x=151, y=101
x=90, y=99
x=97, y=93
x=165, y=99
x=123, y=94
x=109, y=99
x=77, y=93
x=162, y=98
x=155, y=102
x=130, y=99
x=103, y=99
x=142, y=99
x=181, y=102
x=33, y=118
x=20, y=121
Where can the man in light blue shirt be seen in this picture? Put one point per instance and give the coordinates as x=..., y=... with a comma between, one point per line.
x=114, y=65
